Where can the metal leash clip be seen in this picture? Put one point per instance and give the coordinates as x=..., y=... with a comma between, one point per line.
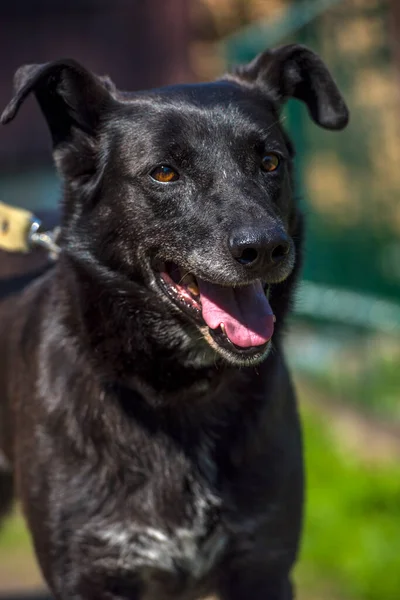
x=44, y=239
x=21, y=231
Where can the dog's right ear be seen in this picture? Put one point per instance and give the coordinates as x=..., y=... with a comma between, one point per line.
x=70, y=97
x=294, y=71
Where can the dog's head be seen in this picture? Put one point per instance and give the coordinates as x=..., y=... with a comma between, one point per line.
x=186, y=190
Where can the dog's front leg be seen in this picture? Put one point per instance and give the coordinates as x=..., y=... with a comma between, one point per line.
x=255, y=585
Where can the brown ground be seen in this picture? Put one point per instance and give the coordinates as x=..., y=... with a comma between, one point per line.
x=18, y=573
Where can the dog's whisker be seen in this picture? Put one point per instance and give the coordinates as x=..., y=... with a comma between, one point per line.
x=182, y=278
x=277, y=122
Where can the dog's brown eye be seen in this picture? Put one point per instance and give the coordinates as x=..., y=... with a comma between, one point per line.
x=164, y=174
x=270, y=162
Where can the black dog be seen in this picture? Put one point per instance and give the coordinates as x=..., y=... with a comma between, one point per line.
x=148, y=416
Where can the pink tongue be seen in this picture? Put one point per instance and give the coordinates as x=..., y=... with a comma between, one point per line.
x=244, y=311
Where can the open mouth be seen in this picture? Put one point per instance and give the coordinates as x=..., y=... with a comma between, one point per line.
x=238, y=319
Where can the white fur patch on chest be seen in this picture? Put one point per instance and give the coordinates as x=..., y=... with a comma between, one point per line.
x=192, y=549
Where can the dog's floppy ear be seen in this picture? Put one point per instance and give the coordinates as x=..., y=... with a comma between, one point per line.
x=294, y=71
x=68, y=94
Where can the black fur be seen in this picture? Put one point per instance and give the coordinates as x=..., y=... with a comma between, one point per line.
x=150, y=462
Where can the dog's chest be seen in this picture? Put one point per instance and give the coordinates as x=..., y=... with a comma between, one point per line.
x=187, y=551
x=183, y=536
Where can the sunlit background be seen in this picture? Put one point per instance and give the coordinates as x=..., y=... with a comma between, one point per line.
x=344, y=339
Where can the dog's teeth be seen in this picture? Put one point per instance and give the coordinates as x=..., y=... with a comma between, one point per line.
x=222, y=327
x=193, y=288
x=190, y=284
x=274, y=318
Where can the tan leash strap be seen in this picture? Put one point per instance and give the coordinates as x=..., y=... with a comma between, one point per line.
x=15, y=227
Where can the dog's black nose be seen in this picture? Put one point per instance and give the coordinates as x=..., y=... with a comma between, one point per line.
x=258, y=246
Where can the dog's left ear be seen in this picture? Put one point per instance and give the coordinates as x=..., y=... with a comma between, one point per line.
x=75, y=103
x=294, y=71
x=71, y=97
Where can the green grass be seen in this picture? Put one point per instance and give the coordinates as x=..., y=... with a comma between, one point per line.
x=352, y=530
x=14, y=535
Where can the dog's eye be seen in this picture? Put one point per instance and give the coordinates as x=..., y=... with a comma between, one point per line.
x=270, y=162
x=164, y=174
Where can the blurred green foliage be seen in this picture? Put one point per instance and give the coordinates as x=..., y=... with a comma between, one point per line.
x=352, y=530
x=13, y=535
x=372, y=385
